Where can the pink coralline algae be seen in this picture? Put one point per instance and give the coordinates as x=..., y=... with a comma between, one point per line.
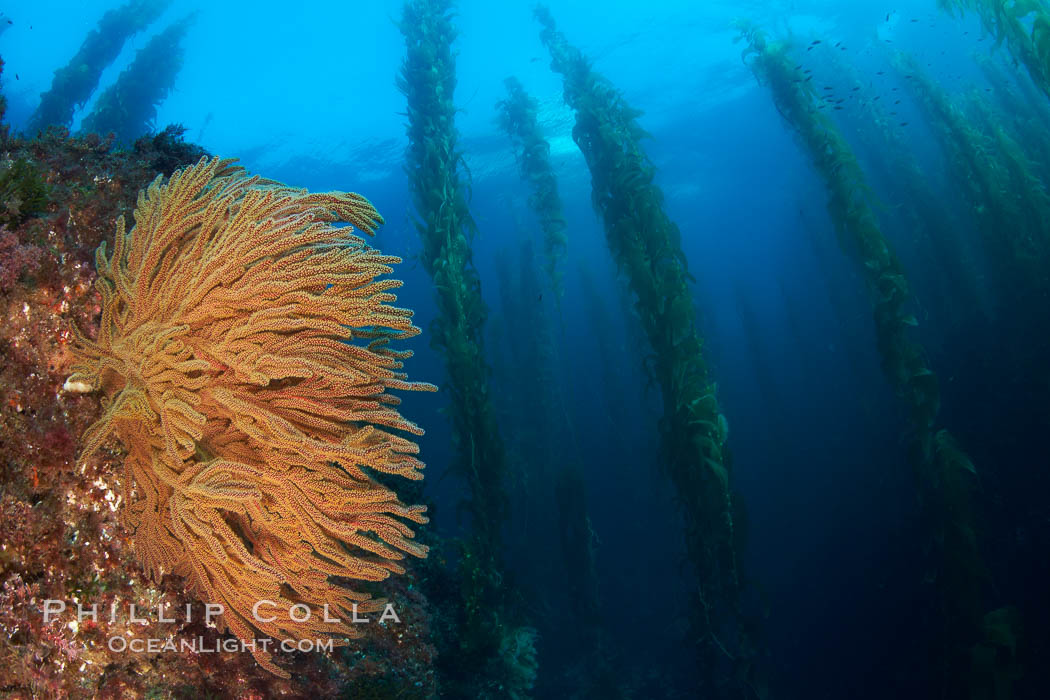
x=16, y=259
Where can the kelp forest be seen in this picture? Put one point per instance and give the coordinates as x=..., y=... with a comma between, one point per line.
x=693, y=352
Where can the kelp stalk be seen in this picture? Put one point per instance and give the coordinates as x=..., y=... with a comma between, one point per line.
x=646, y=246
x=128, y=108
x=995, y=178
x=445, y=226
x=933, y=226
x=517, y=117
x=74, y=83
x=946, y=474
x=557, y=504
x=428, y=80
x=1022, y=25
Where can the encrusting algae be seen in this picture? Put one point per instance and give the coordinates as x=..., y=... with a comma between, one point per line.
x=252, y=420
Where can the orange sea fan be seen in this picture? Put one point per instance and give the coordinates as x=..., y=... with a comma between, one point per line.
x=252, y=420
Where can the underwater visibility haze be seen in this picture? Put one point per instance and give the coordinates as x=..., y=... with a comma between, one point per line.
x=434, y=349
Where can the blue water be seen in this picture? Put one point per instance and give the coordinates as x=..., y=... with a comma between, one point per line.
x=305, y=93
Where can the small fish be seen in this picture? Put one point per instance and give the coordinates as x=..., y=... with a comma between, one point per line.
x=855, y=89
x=838, y=107
x=881, y=72
x=808, y=70
x=838, y=44
x=897, y=102
x=828, y=87
x=877, y=97
x=815, y=42
x=16, y=77
x=904, y=123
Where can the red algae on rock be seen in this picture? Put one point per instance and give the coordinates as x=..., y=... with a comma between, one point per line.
x=16, y=259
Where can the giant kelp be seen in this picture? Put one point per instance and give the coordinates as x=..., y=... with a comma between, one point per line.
x=1023, y=26
x=528, y=404
x=518, y=118
x=128, y=108
x=445, y=227
x=1023, y=111
x=996, y=181
x=647, y=247
x=487, y=640
x=619, y=392
x=553, y=498
x=1020, y=174
x=946, y=474
x=74, y=83
x=933, y=227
